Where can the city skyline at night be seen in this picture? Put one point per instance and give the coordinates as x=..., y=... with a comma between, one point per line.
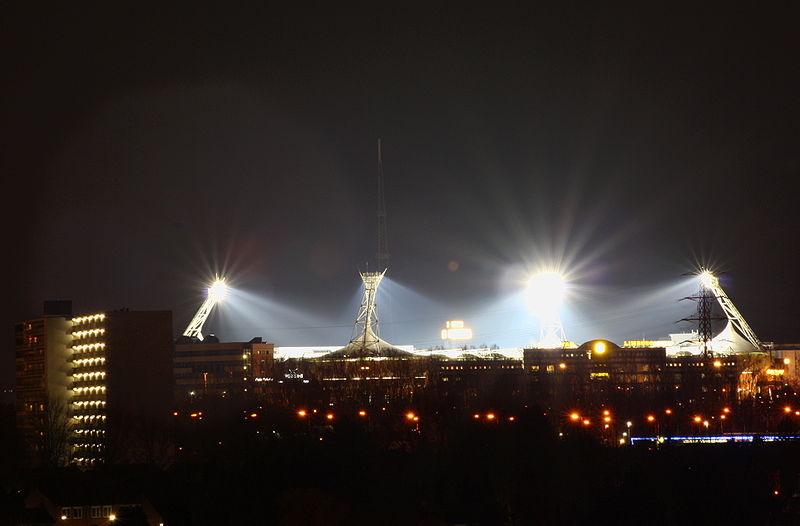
x=148, y=154
x=379, y=263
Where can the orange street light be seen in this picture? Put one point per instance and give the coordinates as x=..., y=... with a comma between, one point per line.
x=410, y=415
x=490, y=416
x=574, y=416
x=650, y=418
x=329, y=416
x=587, y=422
x=362, y=413
x=301, y=413
x=698, y=419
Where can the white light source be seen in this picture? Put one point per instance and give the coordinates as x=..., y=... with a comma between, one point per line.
x=218, y=290
x=546, y=291
x=545, y=294
x=706, y=279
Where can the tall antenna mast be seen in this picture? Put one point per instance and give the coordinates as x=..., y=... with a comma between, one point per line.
x=382, y=256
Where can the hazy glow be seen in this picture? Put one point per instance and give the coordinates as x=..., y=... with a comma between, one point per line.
x=248, y=314
x=594, y=310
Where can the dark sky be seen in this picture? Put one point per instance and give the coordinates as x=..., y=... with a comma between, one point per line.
x=144, y=149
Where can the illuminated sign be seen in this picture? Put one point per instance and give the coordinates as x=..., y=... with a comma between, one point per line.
x=455, y=330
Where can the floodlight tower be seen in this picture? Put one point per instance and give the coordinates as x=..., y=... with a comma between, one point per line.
x=365, y=332
x=710, y=282
x=545, y=296
x=214, y=294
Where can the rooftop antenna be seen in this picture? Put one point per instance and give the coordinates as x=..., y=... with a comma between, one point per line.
x=382, y=255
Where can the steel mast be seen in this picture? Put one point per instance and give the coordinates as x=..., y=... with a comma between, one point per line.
x=711, y=282
x=214, y=294
x=365, y=331
x=382, y=255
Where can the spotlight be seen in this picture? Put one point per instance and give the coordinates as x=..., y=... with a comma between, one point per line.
x=218, y=290
x=546, y=291
x=706, y=279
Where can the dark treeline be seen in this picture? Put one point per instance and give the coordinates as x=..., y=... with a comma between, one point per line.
x=279, y=468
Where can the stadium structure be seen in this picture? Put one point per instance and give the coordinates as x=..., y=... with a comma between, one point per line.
x=692, y=368
x=685, y=369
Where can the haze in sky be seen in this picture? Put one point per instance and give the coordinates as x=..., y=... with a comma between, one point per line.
x=147, y=151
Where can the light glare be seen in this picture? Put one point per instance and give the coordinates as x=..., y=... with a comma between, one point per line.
x=218, y=290
x=706, y=279
x=546, y=291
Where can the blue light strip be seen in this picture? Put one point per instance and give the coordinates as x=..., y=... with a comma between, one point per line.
x=723, y=439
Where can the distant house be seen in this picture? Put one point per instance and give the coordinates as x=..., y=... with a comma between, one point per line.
x=74, y=502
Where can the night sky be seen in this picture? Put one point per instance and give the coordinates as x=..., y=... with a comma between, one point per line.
x=146, y=149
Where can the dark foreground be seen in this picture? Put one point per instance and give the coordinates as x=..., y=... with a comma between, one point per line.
x=470, y=474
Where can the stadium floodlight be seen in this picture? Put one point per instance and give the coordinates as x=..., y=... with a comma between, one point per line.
x=711, y=282
x=707, y=279
x=545, y=294
x=546, y=291
x=218, y=290
x=215, y=293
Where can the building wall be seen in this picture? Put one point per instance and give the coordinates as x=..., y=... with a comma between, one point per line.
x=94, y=387
x=42, y=394
x=631, y=377
x=787, y=355
x=225, y=370
x=139, y=385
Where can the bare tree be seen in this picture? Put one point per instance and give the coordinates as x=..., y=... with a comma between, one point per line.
x=57, y=428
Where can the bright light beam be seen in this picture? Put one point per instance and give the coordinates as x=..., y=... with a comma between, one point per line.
x=545, y=294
